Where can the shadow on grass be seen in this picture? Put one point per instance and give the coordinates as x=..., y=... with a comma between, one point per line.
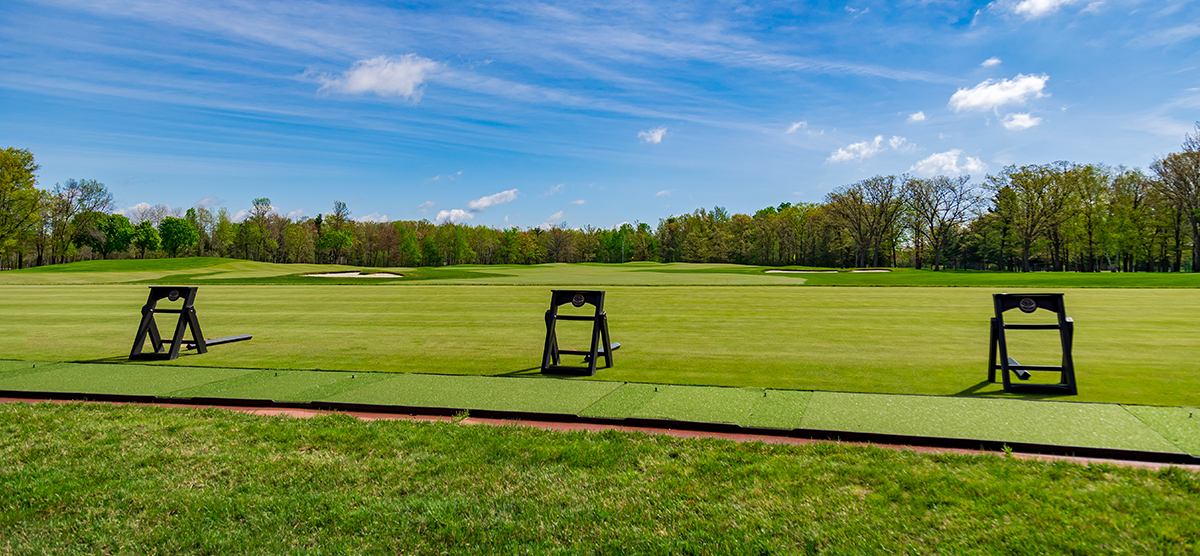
x=532, y=371
x=974, y=391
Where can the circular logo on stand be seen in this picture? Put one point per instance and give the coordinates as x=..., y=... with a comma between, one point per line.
x=577, y=300
x=173, y=295
x=1028, y=305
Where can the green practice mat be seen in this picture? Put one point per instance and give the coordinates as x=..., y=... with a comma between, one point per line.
x=477, y=392
x=1180, y=425
x=283, y=386
x=1058, y=423
x=93, y=378
x=1147, y=428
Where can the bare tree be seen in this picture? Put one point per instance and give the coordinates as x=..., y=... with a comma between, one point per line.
x=1179, y=180
x=940, y=205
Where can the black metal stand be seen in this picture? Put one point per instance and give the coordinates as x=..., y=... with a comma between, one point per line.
x=187, y=319
x=551, y=360
x=1029, y=303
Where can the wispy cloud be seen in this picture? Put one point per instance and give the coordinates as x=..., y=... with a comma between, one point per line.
x=867, y=149
x=295, y=214
x=424, y=207
x=993, y=61
x=664, y=193
x=916, y=117
x=578, y=202
x=1033, y=9
x=450, y=177
x=992, y=94
x=1018, y=121
x=556, y=189
x=653, y=136
x=209, y=202
x=948, y=163
x=492, y=200
x=385, y=76
x=797, y=126
x=373, y=217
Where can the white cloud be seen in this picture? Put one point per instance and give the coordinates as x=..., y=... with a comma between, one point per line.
x=135, y=209
x=240, y=215
x=424, y=207
x=992, y=94
x=664, y=193
x=551, y=220
x=1018, y=121
x=373, y=217
x=209, y=202
x=797, y=126
x=864, y=150
x=453, y=215
x=492, y=200
x=654, y=136
x=579, y=202
x=1032, y=9
x=295, y=214
x=385, y=76
x=916, y=117
x=555, y=189
x=993, y=61
x=857, y=151
x=947, y=163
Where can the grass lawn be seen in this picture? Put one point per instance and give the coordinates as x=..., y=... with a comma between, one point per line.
x=116, y=479
x=684, y=324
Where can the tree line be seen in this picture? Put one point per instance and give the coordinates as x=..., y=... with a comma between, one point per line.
x=1059, y=216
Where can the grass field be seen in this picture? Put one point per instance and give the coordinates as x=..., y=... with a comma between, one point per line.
x=1133, y=344
x=88, y=479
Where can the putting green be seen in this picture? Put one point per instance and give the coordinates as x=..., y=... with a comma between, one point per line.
x=1072, y=424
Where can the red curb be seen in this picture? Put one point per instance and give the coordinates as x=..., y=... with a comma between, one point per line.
x=593, y=427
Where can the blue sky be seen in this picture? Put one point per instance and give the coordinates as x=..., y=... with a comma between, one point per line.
x=532, y=114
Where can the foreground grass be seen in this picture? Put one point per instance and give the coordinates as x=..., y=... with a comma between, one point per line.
x=102, y=479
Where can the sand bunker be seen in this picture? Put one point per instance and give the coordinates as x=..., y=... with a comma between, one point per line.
x=355, y=275
x=872, y=270
x=801, y=272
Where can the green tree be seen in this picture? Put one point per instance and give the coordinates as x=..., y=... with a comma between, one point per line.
x=336, y=243
x=146, y=238
x=19, y=195
x=111, y=233
x=176, y=234
x=1179, y=180
x=1040, y=197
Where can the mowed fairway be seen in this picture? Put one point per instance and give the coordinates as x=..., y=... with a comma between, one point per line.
x=1132, y=345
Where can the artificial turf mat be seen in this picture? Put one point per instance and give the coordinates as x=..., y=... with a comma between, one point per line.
x=622, y=402
x=1180, y=425
x=1057, y=423
x=291, y=386
x=698, y=403
x=1149, y=428
x=777, y=409
x=477, y=392
x=93, y=378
